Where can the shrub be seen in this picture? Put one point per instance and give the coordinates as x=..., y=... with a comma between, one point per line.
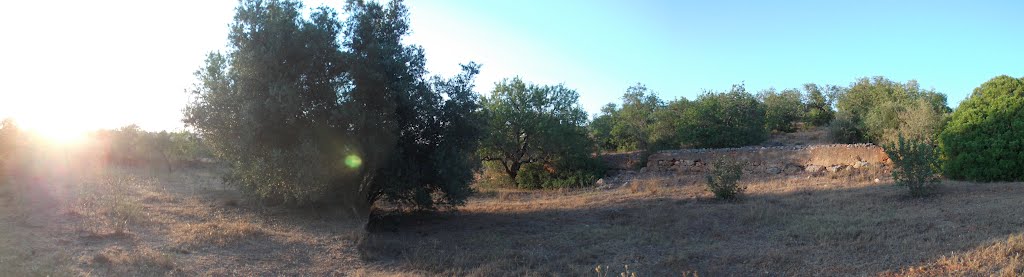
x=877, y=107
x=782, y=109
x=915, y=162
x=730, y=119
x=819, y=103
x=984, y=140
x=532, y=176
x=723, y=179
x=844, y=130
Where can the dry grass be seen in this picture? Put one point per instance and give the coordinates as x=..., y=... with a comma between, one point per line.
x=221, y=232
x=838, y=224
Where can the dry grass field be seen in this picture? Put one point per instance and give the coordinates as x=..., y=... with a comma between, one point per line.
x=146, y=222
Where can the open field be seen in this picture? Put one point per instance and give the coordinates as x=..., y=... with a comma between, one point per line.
x=146, y=222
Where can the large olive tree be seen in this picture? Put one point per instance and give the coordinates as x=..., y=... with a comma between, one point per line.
x=310, y=109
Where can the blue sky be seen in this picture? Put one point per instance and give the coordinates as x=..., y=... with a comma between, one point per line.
x=111, y=63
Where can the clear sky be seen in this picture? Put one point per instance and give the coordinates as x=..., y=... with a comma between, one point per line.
x=111, y=63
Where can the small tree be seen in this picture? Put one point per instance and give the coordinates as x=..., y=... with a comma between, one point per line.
x=915, y=164
x=529, y=124
x=723, y=179
x=819, y=103
x=782, y=109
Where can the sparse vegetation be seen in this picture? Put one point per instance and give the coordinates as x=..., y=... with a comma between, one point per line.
x=915, y=163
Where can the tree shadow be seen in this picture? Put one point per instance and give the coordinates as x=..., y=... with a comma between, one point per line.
x=853, y=230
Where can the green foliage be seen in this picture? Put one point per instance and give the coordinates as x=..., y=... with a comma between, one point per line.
x=668, y=125
x=984, y=140
x=915, y=164
x=529, y=124
x=843, y=129
x=723, y=179
x=729, y=119
x=877, y=108
x=634, y=122
x=600, y=129
x=819, y=103
x=782, y=109
x=298, y=99
x=643, y=122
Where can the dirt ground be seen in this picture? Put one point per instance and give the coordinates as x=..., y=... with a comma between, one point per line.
x=132, y=222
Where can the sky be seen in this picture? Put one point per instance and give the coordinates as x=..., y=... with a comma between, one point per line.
x=82, y=65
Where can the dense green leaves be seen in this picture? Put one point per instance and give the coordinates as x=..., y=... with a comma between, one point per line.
x=297, y=101
x=726, y=119
x=984, y=140
x=539, y=129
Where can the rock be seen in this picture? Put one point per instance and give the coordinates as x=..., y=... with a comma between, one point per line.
x=814, y=168
x=836, y=168
x=599, y=183
x=773, y=170
x=860, y=164
x=688, y=162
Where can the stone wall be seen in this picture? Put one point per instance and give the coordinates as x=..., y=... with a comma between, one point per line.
x=770, y=160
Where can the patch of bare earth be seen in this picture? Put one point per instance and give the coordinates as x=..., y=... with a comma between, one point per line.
x=131, y=222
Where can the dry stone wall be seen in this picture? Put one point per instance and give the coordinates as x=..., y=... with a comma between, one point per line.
x=788, y=160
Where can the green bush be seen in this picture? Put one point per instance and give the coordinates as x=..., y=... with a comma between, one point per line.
x=532, y=176
x=732, y=119
x=782, y=109
x=984, y=139
x=844, y=130
x=723, y=179
x=575, y=175
x=877, y=108
x=915, y=164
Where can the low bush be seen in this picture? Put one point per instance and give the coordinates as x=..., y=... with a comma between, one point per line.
x=915, y=164
x=723, y=179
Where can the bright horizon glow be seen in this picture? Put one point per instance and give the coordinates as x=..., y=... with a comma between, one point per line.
x=106, y=64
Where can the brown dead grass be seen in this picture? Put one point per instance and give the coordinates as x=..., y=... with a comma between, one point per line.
x=218, y=233
x=842, y=223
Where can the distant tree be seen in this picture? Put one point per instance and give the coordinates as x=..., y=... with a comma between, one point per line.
x=819, y=103
x=600, y=128
x=782, y=109
x=726, y=119
x=668, y=125
x=634, y=122
x=313, y=110
x=531, y=124
x=873, y=107
x=984, y=140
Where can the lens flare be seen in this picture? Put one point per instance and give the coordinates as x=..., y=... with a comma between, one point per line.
x=353, y=161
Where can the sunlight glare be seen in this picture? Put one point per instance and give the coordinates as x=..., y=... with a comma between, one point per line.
x=56, y=131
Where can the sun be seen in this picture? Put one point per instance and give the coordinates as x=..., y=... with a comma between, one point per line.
x=61, y=132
